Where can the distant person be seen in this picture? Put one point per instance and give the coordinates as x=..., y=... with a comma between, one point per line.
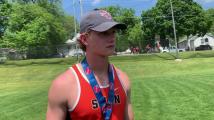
x=148, y=48
x=93, y=89
x=137, y=50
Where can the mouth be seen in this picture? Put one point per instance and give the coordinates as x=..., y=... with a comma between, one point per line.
x=110, y=46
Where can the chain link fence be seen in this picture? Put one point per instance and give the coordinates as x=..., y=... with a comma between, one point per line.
x=37, y=52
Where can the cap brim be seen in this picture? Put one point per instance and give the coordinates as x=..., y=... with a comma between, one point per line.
x=108, y=25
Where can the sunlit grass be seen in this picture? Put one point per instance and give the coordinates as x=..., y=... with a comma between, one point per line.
x=170, y=90
x=162, y=89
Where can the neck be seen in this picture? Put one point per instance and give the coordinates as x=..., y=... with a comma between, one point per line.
x=99, y=64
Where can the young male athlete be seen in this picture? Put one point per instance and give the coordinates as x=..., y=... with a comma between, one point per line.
x=93, y=89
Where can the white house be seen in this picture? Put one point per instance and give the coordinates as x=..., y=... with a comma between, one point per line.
x=196, y=41
x=71, y=47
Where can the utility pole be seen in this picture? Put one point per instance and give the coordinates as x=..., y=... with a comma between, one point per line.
x=173, y=21
x=81, y=10
x=75, y=27
x=81, y=14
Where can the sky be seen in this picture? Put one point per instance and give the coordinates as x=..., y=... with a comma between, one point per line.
x=72, y=7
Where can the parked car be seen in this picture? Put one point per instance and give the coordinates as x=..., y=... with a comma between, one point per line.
x=128, y=51
x=2, y=59
x=203, y=47
x=56, y=55
x=78, y=54
x=171, y=49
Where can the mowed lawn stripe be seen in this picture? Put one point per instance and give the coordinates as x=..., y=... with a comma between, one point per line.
x=24, y=90
x=191, y=80
x=161, y=89
x=25, y=103
x=157, y=98
x=172, y=100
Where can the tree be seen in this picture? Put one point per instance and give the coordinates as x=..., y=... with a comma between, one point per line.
x=68, y=23
x=189, y=18
x=135, y=35
x=4, y=16
x=31, y=26
x=54, y=7
x=123, y=15
x=210, y=14
x=37, y=1
x=149, y=26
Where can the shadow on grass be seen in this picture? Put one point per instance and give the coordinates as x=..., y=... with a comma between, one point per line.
x=141, y=57
x=68, y=61
x=166, y=56
x=199, y=54
x=186, y=55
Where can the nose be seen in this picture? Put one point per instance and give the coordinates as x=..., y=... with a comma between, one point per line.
x=112, y=37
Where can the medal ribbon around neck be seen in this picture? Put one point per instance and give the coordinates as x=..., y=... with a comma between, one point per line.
x=106, y=107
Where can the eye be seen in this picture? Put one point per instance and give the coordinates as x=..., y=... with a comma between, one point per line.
x=114, y=31
x=108, y=32
x=104, y=33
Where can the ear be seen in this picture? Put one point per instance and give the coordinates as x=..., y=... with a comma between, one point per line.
x=83, y=39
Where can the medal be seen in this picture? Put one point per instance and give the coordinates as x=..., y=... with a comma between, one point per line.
x=105, y=105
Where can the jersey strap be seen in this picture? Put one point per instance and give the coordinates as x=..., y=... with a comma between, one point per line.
x=105, y=105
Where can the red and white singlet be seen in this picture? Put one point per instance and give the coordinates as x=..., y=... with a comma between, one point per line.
x=87, y=107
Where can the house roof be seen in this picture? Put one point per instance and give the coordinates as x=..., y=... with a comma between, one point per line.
x=191, y=37
x=196, y=36
x=69, y=41
x=73, y=40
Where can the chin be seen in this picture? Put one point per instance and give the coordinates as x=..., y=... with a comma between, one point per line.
x=107, y=54
x=111, y=53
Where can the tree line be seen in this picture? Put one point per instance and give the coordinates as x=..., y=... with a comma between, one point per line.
x=34, y=27
x=26, y=25
x=190, y=19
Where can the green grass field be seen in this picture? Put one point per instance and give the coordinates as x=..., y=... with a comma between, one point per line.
x=162, y=89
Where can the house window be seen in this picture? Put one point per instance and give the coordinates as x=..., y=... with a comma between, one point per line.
x=202, y=41
x=206, y=40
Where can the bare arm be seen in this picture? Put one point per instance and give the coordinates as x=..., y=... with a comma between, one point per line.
x=55, y=112
x=129, y=111
x=129, y=115
x=58, y=96
x=56, y=103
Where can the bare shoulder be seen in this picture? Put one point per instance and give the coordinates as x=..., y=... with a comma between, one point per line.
x=60, y=89
x=60, y=94
x=124, y=78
